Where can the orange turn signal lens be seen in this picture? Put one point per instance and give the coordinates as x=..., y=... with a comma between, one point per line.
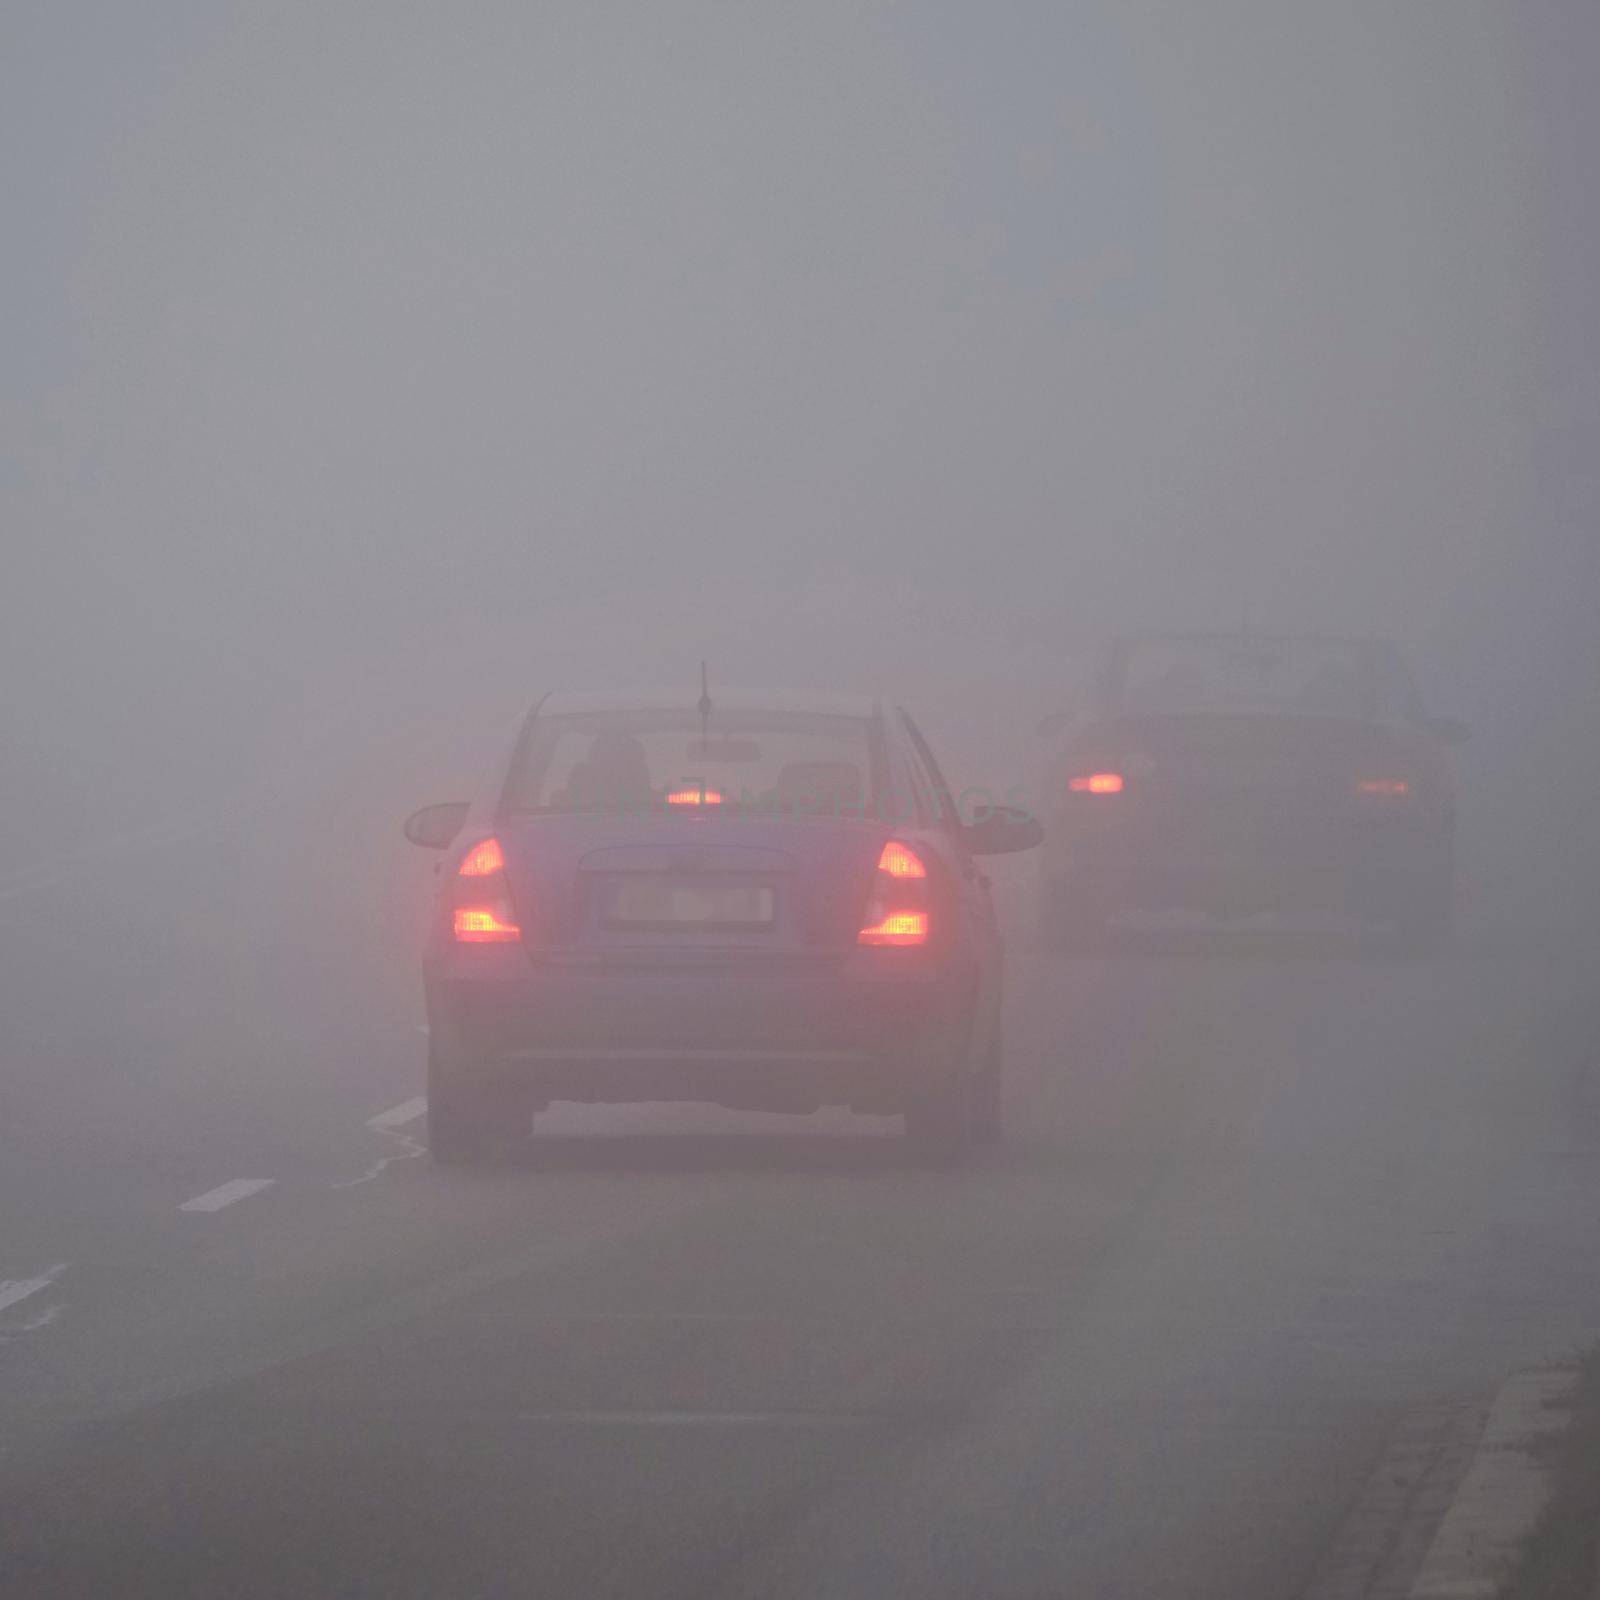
x=483, y=858
x=485, y=925
x=897, y=927
x=1096, y=783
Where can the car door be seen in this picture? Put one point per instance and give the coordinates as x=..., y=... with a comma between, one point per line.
x=974, y=897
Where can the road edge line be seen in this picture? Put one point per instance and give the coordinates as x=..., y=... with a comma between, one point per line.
x=1507, y=1486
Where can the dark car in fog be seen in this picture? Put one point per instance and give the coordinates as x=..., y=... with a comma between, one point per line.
x=764, y=901
x=1236, y=775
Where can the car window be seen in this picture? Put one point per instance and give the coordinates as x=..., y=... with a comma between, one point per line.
x=1242, y=672
x=640, y=760
x=914, y=779
x=943, y=807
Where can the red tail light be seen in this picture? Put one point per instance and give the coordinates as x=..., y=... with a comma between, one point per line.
x=695, y=797
x=897, y=910
x=482, y=859
x=1096, y=783
x=901, y=861
x=485, y=915
x=897, y=927
x=1383, y=788
x=485, y=925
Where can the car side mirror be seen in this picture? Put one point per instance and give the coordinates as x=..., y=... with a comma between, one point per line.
x=1057, y=722
x=1002, y=831
x=435, y=827
x=1451, y=730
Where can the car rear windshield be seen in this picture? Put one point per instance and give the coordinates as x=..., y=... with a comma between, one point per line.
x=1311, y=677
x=643, y=761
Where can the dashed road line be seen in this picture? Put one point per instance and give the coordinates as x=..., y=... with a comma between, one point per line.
x=14, y=1289
x=398, y=1116
x=33, y=1324
x=392, y=1124
x=226, y=1193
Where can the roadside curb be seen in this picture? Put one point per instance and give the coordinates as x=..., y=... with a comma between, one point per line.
x=1507, y=1485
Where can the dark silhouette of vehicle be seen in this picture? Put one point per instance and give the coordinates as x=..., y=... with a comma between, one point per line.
x=1240, y=774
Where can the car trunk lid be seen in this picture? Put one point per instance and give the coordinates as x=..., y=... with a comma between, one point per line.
x=700, y=886
x=1236, y=778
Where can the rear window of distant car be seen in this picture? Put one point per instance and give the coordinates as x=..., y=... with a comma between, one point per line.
x=1312, y=677
x=797, y=763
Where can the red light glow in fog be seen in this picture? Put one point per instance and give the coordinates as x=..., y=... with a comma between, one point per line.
x=897, y=927
x=483, y=858
x=897, y=912
x=1096, y=783
x=1384, y=788
x=901, y=861
x=485, y=925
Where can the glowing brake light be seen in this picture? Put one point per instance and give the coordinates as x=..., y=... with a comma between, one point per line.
x=483, y=858
x=1096, y=783
x=695, y=797
x=897, y=910
x=1383, y=788
x=485, y=925
x=489, y=919
x=900, y=861
x=897, y=927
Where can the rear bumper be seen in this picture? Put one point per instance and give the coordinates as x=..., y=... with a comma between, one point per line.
x=851, y=1031
x=751, y=1080
x=1243, y=891
x=1377, y=876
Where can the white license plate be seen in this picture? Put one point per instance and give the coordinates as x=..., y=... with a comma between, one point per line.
x=652, y=902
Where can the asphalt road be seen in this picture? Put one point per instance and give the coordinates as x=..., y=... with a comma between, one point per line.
x=1256, y=1206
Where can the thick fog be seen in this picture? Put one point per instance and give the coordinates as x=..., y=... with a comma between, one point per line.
x=789, y=1207
x=371, y=369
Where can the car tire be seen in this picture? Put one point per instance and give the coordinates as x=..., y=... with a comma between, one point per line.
x=939, y=1122
x=987, y=1116
x=939, y=1113
x=469, y=1128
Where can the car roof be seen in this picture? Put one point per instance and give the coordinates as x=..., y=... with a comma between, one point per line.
x=562, y=702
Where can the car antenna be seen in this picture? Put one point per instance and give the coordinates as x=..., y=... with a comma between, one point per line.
x=705, y=704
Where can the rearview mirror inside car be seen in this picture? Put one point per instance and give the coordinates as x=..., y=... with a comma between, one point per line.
x=435, y=827
x=724, y=750
x=1001, y=831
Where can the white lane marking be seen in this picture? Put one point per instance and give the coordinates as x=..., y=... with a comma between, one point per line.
x=398, y=1116
x=392, y=1125
x=409, y=1150
x=14, y=1289
x=43, y=1320
x=226, y=1193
